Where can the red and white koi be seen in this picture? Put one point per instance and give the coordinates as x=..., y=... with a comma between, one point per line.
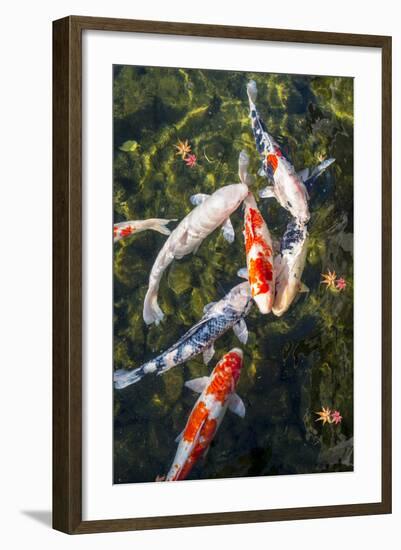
x=259, y=256
x=126, y=229
x=217, y=393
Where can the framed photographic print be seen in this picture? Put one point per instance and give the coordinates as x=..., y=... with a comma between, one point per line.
x=224, y=356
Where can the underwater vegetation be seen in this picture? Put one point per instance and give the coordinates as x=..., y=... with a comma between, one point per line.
x=178, y=132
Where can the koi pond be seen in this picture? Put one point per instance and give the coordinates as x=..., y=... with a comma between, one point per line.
x=178, y=133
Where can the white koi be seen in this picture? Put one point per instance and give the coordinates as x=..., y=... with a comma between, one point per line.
x=211, y=211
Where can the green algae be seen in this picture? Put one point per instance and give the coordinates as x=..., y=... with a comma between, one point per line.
x=294, y=365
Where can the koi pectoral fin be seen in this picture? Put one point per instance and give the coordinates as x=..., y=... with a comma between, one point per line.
x=208, y=354
x=236, y=405
x=197, y=384
x=241, y=331
x=303, y=288
x=262, y=172
x=243, y=273
x=317, y=171
x=228, y=231
x=198, y=198
x=267, y=193
x=208, y=307
x=303, y=174
x=179, y=437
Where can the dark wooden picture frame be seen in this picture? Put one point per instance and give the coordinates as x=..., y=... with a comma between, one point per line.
x=67, y=274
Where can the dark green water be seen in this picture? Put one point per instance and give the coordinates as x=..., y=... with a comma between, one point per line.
x=294, y=365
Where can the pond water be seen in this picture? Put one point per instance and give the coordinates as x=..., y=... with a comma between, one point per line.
x=293, y=365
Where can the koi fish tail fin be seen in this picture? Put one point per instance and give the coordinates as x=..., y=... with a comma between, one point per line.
x=123, y=377
x=159, y=224
x=151, y=309
x=252, y=91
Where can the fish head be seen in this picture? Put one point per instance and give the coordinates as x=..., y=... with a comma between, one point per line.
x=264, y=302
x=239, y=297
x=285, y=295
x=226, y=200
x=226, y=374
x=235, y=360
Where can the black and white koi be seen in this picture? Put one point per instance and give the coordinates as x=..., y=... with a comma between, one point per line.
x=289, y=265
x=289, y=187
x=218, y=318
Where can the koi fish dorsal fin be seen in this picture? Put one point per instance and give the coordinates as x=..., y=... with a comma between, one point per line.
x=197, y=384
x=236, y=405
x=198, y=198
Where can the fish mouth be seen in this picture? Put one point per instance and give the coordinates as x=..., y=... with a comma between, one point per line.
x=264, y=303
x=238, y=351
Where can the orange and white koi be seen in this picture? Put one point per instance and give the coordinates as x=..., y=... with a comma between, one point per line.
x=259, y=256
x=217, y=393
x=126, y=229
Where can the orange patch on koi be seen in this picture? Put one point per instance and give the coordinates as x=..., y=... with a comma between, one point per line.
x=189, y=464
x=126, y=231
x=221, y=384
x=272, y=161
x=209, y=429
x=260, y=271
x=195, y=420
x=254, y=222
